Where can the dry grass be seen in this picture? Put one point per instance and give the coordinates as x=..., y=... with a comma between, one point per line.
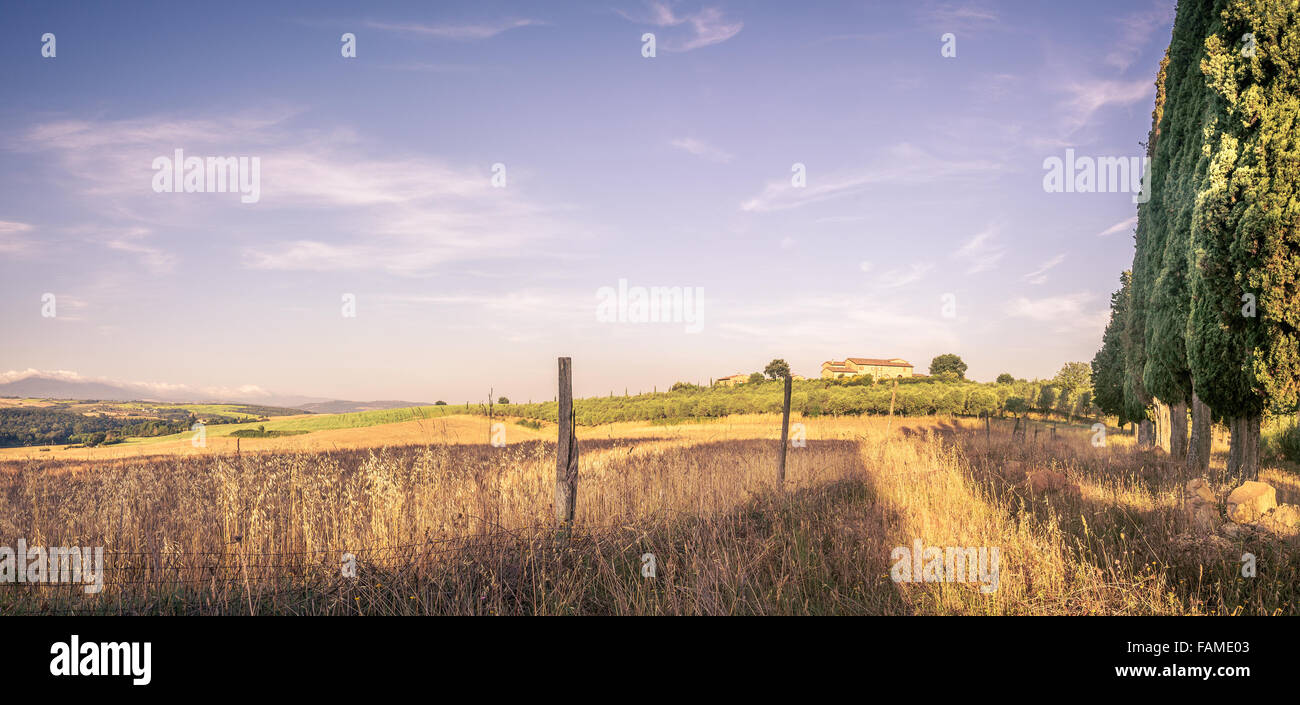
x=451, y=527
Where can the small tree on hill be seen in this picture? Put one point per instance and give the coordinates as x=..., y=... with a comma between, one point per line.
x=1006, y=378
x=1016, y=406
x=1073, y=377
x=1046, y=398
x=948, y=362
x=777, y=369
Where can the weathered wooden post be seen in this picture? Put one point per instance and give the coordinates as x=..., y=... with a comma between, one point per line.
x=892, y=395
x=566, y=449
x=785, y=434
x=986, y=427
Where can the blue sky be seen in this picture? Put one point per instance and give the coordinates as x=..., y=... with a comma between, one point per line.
x=924, y=179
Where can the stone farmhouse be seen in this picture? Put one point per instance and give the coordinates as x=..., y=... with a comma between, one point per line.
x=876, y=367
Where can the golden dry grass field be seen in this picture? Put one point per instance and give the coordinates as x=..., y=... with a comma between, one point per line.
x=439, y=521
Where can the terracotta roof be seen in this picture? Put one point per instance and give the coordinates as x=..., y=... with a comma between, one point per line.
x=893, y=362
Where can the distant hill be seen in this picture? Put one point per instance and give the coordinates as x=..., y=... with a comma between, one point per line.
x=39, y=386
x=51, y=388
x=342, y=406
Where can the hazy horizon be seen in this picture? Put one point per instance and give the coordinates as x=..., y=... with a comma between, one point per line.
x=924, y=179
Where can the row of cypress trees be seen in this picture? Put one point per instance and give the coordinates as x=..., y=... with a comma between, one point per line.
x=1208, y=316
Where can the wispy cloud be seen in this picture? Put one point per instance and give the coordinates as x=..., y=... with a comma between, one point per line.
x=958, y=17
x=1087, y=96
x=1067, y=312
x=707, y=26
x=902, y=276
x=458, y=32
x=982, y=251
x=403, y=213
x=133, y=241
x=701, y=149
x=904, y=164
x=1039, y=276
x=1136, y=29
x=12, y=238
x=836, y=322
x=422, y=67
x=1121, y=226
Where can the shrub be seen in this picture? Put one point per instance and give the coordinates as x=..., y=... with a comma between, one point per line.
x=1286, y=442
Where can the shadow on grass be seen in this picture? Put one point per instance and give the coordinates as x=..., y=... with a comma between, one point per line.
x=818, y=547
x=1128, y=525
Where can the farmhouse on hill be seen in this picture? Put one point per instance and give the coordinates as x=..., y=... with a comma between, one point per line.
x=733, y=380
x=876, y=367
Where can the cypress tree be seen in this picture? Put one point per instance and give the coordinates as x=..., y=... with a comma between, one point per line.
x=1242, y=342
x=1166, y=218
x=1269, y=229
x=1133, y=338
x=1108, y=368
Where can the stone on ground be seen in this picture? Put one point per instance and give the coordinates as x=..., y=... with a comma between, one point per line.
x=1199, y=506
x=1049, y=481
x=1251, y=501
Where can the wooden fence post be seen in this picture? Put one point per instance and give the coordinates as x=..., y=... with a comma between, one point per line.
x=785, y=434
x=892, y=395
x=566, y=449
x=986, y=427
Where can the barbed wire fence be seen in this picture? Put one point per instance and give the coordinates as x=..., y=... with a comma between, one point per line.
x=141, y=581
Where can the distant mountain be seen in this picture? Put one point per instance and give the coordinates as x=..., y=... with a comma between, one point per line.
x=342, y=406
x=45, y=387
x=40, y=386
x=51, y=388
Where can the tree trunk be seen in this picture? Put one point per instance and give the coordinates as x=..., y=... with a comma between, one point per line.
x=1146, y=434
x=1161, y=412
x=1198, y=450
x=1235, y=444
x=1250, y=449
x=1178, y=430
